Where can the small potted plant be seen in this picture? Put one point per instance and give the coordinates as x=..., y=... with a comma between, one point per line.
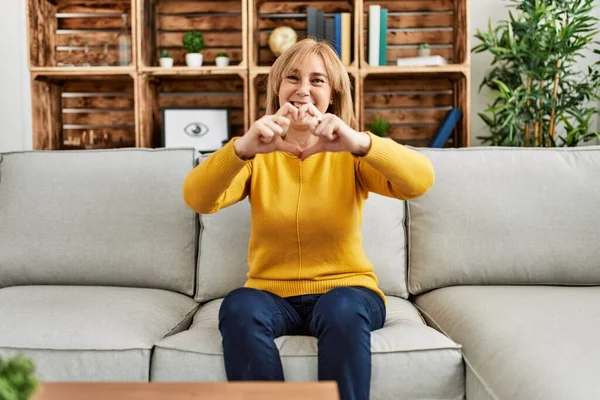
x=379, y=127
x=166, y=61
x=193, y=42
x=222, y=60
x=424, y=50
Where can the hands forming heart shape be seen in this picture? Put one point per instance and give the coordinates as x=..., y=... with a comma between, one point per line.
x=334, y=135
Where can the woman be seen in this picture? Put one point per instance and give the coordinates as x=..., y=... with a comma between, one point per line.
x=307, y=172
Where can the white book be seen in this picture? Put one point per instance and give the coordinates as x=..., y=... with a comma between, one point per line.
x=421, y=61
x=374, y=21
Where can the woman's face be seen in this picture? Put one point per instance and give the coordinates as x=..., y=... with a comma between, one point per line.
x=308, y=83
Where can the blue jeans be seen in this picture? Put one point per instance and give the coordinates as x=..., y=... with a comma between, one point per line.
x=341, y=319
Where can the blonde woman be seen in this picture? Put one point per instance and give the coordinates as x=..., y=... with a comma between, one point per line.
x=307, y=171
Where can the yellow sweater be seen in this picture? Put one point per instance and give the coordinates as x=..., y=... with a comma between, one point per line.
x=306, y=215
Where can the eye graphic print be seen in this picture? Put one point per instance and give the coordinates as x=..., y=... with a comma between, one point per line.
x=196, y=129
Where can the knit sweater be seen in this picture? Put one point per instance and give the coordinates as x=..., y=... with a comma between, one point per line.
x=306, y=215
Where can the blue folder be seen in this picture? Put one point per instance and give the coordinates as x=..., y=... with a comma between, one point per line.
x=446, y=128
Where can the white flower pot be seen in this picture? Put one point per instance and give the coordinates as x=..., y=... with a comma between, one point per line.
x=166, y=62
x=193, y=60
x=426, y=52
x=222, y=61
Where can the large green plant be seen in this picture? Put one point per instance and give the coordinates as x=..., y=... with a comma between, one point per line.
x=537, y=85
x=193, y=41
x=17, y=378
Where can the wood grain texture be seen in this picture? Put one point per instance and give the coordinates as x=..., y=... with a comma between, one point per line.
x=188, y=391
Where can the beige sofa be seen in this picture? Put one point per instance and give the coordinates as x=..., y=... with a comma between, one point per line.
x=492, y=277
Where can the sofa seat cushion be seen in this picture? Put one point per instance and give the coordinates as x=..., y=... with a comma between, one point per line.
x=77, y=333
x=523, y=342
x=410, y=360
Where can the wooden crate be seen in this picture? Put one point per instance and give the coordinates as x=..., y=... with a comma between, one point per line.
x=78, y=32
x=258, y=95
x=181, y=91
x=164, y=22
x=415, y=105
x=83, y=112
x=440, y=23
x=266, y=15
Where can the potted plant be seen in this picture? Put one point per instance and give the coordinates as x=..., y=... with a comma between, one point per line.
x=17, y=378
x=379, y=127
x=166, y=61
x=193, y=42
x=424, y=50
x=540, y=98
x=222, y=60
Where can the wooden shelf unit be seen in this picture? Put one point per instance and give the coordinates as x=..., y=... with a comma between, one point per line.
x=414, y=100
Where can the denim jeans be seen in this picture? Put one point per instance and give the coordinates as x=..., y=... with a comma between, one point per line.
x=341, y=319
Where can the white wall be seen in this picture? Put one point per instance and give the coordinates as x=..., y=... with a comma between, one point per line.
x=15, y=98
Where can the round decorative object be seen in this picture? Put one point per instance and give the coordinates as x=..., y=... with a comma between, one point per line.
x=281, y=39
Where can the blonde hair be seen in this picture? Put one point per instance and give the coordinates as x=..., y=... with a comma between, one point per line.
x=336, y=72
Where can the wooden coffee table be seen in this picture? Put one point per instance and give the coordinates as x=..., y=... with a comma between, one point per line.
x=188, y=391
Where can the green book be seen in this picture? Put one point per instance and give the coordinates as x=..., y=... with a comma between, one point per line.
x=383, y=23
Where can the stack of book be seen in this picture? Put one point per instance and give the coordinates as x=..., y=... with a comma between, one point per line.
x=336, y=28
x=377, y=45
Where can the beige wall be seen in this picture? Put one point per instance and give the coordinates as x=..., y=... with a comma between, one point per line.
x=15, y=109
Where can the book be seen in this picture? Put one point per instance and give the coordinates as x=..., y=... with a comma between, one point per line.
x=337, y=28
x=383, y=36
x=374, y=27
x=330, y=31
x=421, y=61
x=311, y=22
x=320, y=34
x=446, y=128
x=346, y=38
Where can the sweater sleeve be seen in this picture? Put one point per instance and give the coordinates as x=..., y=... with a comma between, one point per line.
x=219, y=181
x=394, y=170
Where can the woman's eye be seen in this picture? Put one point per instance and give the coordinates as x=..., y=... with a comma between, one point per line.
x=293, y=77
x=318, y=80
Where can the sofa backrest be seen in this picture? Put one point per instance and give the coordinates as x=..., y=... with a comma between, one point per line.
x=507, y=216
x=102, y=217
x=223, y=254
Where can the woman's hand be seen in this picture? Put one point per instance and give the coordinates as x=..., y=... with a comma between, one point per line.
x=266, y=134
x=333, y=133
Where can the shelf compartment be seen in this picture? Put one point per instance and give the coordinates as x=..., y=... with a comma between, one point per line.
x=180, y=91
x=266, y=15
x=164, y=23
x=415, y=105
x=440, y=23
x=59, y=32
x=83, y=112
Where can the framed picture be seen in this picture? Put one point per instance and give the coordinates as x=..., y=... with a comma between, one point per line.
x=206, y=129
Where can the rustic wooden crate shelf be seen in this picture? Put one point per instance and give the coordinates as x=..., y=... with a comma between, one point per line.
x=415, y=105
x=84, y=112
x=130, y=99
x=163, y=24
x=158, y=92
x=387, y=70
x=442, y=24
x=266, y=15
x=158, y=71
x=78, y=32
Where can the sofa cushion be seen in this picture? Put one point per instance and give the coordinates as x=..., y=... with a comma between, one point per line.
x=507, y=216
x=410, y=360
x=523, y=343
x=102, y=217
x=76, y=333
x=223, y=255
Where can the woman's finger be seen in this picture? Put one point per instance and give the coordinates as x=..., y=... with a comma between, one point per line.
x=272, y=123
